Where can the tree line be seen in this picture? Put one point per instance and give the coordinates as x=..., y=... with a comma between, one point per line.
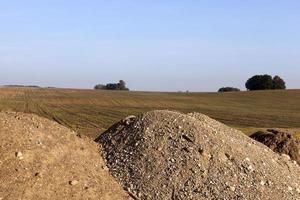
x=121, y=85
x=260, y=82
x=257, y=82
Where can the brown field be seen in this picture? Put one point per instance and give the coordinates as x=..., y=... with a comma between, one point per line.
x=90, y=112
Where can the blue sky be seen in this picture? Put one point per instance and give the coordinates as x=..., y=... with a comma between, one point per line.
x=165, y=45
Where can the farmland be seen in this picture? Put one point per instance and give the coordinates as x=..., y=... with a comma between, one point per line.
x=90, y=112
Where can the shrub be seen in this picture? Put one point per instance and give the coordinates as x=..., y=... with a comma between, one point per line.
x=99, y=87
x=229, y=89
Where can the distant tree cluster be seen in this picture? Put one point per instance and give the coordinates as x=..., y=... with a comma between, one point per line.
x=112, y=86
x=265, y=82
x=260, y=82
x=30, y=86
x=100, y=87
x=229, y=89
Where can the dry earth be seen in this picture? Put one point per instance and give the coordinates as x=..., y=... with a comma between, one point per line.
x=280, y=141
x=40, y=159
x=169, y=155
x=158, y=155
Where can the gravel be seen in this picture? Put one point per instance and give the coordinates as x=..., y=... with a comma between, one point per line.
x=169, y=155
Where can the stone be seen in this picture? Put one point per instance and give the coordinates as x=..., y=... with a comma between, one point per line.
x=74, y=182
x=19, y=155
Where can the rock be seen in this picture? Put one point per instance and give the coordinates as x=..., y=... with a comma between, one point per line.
x=105, y=168
x=19, y=155
x=232, y=188
x=74, y=182
x=285, y=156
x=38, y=174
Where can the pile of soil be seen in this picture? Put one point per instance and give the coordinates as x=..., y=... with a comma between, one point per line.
x=281, y=142
x=169, y=155
x=40, y=159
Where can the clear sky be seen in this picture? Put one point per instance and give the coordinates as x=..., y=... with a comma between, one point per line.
x=166, y=45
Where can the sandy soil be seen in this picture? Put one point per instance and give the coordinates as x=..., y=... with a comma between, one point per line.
x=40, y=159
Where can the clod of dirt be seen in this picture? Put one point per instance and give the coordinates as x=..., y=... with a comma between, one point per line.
x=280, y=142
x=169, y=155
x=40, y=159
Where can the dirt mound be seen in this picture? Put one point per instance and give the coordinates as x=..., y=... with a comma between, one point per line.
x=40, y=159
x=168, y=155
x=280, y=142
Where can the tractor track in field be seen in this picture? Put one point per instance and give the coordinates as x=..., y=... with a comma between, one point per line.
x=47, y=114
x=27, y=102
x=79, y=116
x=41, y=108
x=91, y=112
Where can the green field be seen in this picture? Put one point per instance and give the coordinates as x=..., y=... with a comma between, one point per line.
x=90, y=112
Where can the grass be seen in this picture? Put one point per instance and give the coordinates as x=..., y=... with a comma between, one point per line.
x=90, y=112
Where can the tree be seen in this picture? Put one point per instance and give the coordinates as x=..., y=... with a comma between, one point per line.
x=229, y=89
x=112, y=86
x=99, y=87
x=122, y=85
x=260, y=82
x=278, y=83
x=265, y=82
